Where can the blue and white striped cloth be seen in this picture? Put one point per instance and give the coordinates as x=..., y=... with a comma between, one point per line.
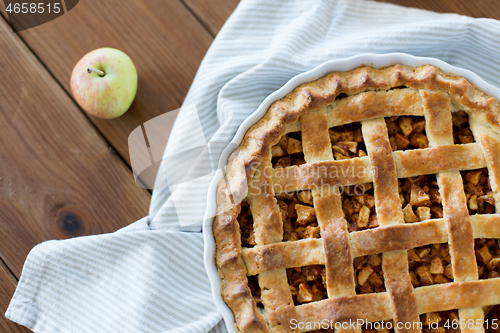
x=149, y=277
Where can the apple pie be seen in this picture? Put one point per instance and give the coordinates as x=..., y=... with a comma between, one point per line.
x=367, y=195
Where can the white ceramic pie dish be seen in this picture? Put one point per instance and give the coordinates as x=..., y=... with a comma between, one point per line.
x=346, y=64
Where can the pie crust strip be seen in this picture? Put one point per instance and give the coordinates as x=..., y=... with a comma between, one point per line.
x=268, y=229
x=377, y=306
x=375, y=104
x=369, y=105
x=372, y=241
x=444, y=297
x=328, y=206
x=439, y=129
x=411, y=163
x=408, y=163
x=326, y=173
x=490, y=146
x=388, y=208
x=231, y=267
x=369, y=307
x=486, y=226
x=299, y=253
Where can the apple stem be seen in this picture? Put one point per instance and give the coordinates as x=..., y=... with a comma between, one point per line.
x=91, y=70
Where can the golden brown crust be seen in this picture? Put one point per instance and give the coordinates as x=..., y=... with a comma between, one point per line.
x=338, y=259
x=316, y=141
x=376, y=104
x=304, y=252
x=268, y=227
x=391, y=238
x=318, y=174
x=460, y=235
x=384, y=173
x=411, y=163
x=235, y=291
x=398, y=237
x=485, y=226
x=437, y=107
x=490, y=145
x=398, y=284
x=277, y=299
x=388, y=204
x=450, y=296
x=312, y=108
x=370, y=307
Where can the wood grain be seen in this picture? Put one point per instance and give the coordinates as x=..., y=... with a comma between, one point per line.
x=476, y=8
x=212, y=14
x=7, y=288
x=163, y=39
x=59, y=178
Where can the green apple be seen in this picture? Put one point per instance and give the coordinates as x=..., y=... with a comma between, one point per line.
x=104, y=82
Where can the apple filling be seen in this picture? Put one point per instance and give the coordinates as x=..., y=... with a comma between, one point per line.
x=487, y=258
x=478, y=192
x=245, y=220
x=407, y=133
x=358, y=202
x=369, y=276
x=298, y=215
x=420, y=198
x=461, y=130
x=491, y=315
x=435, y=322
x=428, y=265
x=253, y=285
x=358, y=205
x=307, y=284
x=347, y=141
x=288, y=151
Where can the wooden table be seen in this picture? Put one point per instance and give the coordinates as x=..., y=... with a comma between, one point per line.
x=64, y=173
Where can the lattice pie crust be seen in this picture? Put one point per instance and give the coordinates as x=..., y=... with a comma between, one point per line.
x=370, y=194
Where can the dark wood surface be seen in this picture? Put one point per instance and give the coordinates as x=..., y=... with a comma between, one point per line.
x=59, y=178
x=7, y=287
x=476, y=8
x=212, y=14
x=64, y=173
x=163, y=38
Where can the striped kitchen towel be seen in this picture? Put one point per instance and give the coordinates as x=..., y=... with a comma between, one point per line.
x=149, y=277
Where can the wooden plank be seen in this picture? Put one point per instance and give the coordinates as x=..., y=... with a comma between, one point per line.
x=163, y=38
x=58, y=177
x=476, y=8
x=7, y=287
x=213, y=14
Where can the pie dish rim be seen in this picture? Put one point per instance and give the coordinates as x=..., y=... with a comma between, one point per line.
x=341, y=65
